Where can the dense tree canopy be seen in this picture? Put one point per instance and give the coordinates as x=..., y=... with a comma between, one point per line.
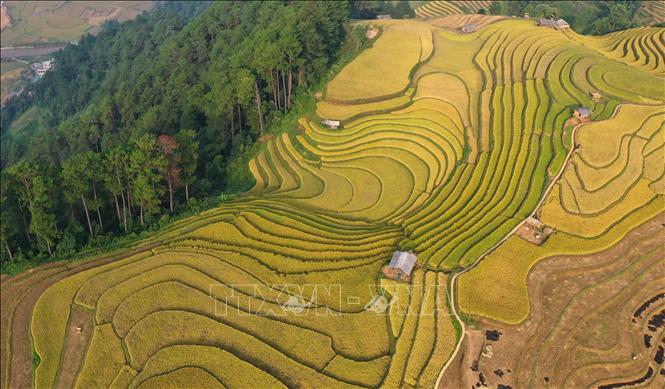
x=586, y=17
x=369, y=9
x=134, y=122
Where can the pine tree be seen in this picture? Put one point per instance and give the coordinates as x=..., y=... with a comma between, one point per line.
x=188, y=152
x=116, y=163
x=21, y=176
x=43, y=222
x=147, y=167
x=6, y=222
x=76, y=184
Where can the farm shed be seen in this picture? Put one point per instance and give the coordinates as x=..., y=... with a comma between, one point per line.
x=595, y=95
x=469, y=28
x=561, y=24
x=546, y=23
x=401, y=265
x=384, y=17
x=332, y=124
x=582, y=113
x=555, y=24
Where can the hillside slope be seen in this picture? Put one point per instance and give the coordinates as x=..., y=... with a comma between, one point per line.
x=440, y=154
x=29, y=22
x=443, y=8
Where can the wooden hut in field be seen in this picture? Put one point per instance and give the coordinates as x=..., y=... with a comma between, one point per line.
x=542, y=22
x=582, y=113
x=562, y=24
x=332, y=124
x=401, y=265
x=559, y=24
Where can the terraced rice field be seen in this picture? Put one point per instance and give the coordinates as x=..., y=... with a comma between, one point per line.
x=62, y=21
x=457, y=21
x=443, y=8
x=652, y=11
x=589, y=323
x=612, y=185
x=639, y=47
x=446, y=157
x=10, y=75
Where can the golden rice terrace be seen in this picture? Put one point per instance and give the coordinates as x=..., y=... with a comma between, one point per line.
x=448, y=142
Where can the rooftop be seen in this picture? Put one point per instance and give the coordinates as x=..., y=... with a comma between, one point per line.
x=558, y=24
x=584, y=111
x=562, y=23
x=404, y=261
x=546, y=22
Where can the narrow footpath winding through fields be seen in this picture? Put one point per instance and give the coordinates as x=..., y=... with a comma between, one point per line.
x=453, y=279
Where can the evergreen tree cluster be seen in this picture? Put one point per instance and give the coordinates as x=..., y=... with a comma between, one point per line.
x=586, y=17
x=141, y=118
x=370, y=9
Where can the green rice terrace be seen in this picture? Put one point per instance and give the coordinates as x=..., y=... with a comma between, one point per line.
x=447, y=143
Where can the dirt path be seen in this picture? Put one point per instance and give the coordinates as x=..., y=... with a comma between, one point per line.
x=79, y=333
x=581, y=331
x=20, y=347
x=13, y=289
x=462, y=373
x=13, y=53
x=453, y=279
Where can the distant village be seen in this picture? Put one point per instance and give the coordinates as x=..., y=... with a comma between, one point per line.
x=37, y=71
x=40, y=68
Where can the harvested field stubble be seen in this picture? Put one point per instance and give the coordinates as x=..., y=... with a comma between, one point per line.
x=582, y=331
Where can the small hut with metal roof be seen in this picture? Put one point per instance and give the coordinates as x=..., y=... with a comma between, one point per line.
x=401, y=265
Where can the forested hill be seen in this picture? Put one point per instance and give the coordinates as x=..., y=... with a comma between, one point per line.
x=134, y=122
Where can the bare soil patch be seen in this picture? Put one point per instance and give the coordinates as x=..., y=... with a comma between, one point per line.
x=534, y=231
x=79, y=332
x=572, y=122
x=463, y=371
x=13, y=289
x=581, y=331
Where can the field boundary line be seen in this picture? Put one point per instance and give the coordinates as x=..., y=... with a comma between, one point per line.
x=483, y=255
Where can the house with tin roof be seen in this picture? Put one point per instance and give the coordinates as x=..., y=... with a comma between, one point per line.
x=582, y=113
x=559, y=24
x=401, y=265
